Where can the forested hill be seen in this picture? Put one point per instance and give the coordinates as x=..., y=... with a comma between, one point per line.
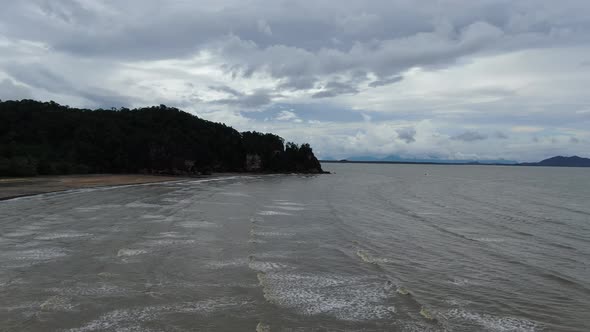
x=47, y=138
x=561, y=161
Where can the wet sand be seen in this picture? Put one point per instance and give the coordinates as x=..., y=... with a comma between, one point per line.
x=18, y=187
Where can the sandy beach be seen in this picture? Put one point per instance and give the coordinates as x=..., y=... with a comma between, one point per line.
x=17, y=187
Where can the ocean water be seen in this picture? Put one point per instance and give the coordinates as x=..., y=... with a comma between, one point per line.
x=367, y=248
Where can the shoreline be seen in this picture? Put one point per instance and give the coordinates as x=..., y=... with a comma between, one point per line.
x=11, y=188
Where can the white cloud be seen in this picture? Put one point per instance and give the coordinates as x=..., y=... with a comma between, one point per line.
x=288, y=116
x=414, y=76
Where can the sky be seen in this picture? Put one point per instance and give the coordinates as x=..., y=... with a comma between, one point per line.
x=447, y=79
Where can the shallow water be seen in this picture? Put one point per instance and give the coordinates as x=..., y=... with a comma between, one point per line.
x=369, y=248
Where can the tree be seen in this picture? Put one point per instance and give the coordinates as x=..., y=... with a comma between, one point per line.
x=47, y=138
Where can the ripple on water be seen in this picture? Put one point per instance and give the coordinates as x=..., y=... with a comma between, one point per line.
x=490, y=239
x=165, y=242
x=273, y=213
x=173, y=235
x=153, y=216
x=198, y=224
x=460, y=282
x=38, y=254
x=272, y=234
x=240, y=262
x=141, y=205
x=97, y=207
x=456, y=302
x=62, y=235
x=92, y=290
x=284, y=202
x=20, y=233
x=285, y=208
x=235, y=194
x=262, y=266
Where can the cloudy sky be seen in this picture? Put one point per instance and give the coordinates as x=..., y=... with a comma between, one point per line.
x=453, y=79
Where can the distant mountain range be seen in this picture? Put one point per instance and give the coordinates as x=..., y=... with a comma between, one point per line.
x=558, y=161
x=398, y=159
x=561, y=161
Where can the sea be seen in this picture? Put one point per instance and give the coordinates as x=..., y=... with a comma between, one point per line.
x=366, y=248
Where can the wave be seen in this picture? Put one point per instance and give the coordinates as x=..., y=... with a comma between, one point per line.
x=40, y=254
x=403, y=291
x=426, y=313
x=262, y=266
x=57, y=303
x=492, y=323
x=365, y=257
x=131, y=252
x=260, y=327
x=345, y=298
x=64, y=235
x=136, y=318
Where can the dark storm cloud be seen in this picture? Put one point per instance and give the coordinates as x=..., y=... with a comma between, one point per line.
x=296, y=41
x=332, y=89
x=469, y=136
x=407, y=134
x=500, y=135
x=227, y=90
x=386, y=81
x=299, y=83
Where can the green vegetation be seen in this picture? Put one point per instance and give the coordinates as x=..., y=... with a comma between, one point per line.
x=47, y=138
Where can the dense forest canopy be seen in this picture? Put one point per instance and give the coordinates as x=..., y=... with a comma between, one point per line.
x=48, y=138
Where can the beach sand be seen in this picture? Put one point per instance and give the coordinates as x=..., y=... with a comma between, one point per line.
x=17, y=187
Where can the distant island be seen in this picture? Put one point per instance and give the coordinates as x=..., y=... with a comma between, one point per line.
x=558, y=161
x=561, y=161
x=45, y=138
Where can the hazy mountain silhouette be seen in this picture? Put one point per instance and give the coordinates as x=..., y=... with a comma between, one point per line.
x=561, y=161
